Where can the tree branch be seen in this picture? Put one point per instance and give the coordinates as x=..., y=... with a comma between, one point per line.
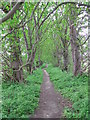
x=63, y=3
x=11, y=12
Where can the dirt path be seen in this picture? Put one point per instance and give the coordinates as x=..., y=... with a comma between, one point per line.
x=51, y=103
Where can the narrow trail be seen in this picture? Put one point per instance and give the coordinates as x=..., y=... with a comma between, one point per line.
x=51, y=103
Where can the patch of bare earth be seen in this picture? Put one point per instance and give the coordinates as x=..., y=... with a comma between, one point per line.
x=51, y=104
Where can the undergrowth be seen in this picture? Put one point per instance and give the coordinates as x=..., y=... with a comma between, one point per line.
x=21, y=99
x=73, y=88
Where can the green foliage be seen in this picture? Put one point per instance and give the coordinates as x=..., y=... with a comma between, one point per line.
x=74, y=88
x=43, y=66
x=50, y=41
x=21, y=99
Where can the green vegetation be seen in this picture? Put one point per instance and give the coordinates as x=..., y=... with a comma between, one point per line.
x=74, y=88
x=34, y=34
x=21, y=99
x=43, y=66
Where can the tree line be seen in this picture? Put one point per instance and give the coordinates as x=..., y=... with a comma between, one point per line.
x=34, y=33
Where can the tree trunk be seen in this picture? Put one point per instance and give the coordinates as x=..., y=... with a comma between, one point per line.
x=77, y=61
x=65, y=56
x=32, y=60
x=75, y=50
x=27, y=48
x=16, y=61
x=65, y=53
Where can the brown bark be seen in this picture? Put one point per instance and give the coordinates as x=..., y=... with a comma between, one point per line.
x=32, y=60
x=21, y=62
x=27, y=47
x=65, y=56
x=75, y=50
x=11, y=12
x=30, y=36
x=65, y=53
x=16, y=62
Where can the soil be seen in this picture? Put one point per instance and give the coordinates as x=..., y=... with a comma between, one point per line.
x=51, y=103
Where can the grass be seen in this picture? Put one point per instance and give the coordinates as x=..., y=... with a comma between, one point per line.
x=20, y=100
x=73, y=88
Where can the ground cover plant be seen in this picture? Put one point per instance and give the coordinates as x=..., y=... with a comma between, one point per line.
x=73, y=88
x=20, y=100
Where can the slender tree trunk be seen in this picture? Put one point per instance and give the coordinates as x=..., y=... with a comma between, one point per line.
x=77, y=61
x=65, y=53
x=65, y=56
x=21, y=62
x=32, y=60
x=16, y=61
x=18, y=75
x=75, y=50
x=27, y=48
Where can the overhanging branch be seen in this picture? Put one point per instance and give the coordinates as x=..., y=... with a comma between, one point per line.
x=11, y=12
x=63, y=3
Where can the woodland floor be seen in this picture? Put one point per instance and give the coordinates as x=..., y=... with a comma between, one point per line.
x=51, y=103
